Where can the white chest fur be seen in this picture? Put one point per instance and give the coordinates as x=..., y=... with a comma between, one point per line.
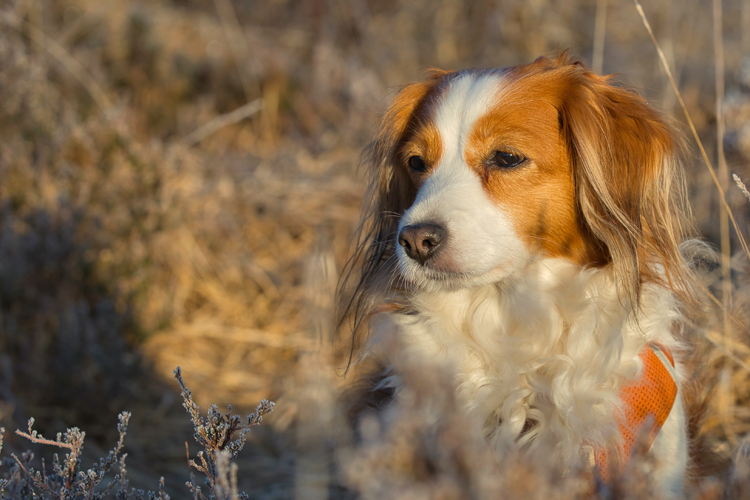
x=541, y=356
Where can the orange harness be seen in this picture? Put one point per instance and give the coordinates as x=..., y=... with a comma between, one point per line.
x=647, y=400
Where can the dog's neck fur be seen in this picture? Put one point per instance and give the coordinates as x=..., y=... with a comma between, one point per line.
x=539, y=357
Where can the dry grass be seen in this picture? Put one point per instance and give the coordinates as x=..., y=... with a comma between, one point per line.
x=179, y=185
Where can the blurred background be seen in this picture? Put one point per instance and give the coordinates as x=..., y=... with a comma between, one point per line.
x=179, y=184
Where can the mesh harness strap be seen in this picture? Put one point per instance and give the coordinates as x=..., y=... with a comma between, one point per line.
x=648, y=400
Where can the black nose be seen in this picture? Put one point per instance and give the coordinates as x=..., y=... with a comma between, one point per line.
x=421, y=241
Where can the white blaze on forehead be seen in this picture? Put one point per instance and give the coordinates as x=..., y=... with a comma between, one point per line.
x=468, y=98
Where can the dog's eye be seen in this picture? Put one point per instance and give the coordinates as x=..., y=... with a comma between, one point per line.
x=506, y=159
x=417, y=164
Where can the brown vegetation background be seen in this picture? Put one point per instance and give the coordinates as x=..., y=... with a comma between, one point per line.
x=179, y=184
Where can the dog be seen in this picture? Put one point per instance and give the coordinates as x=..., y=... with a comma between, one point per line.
x=524, y=225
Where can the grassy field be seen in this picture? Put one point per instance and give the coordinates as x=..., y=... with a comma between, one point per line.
x=179, y=185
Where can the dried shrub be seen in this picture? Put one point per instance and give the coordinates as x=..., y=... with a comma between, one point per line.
x=69, y=481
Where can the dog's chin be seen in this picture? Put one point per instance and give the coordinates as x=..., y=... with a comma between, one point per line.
x=428, y=278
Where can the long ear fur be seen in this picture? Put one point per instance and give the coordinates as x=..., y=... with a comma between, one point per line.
x=390, y=193
x=629, y=182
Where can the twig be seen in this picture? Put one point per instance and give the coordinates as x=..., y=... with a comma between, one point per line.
x=187, y=396
x=34, y=438
x=44, y=441
x=707, y=162
x=222, y=121
x=237, y=42
x=741, y=185
x=65, y=58
x=234, y=495
x=732, y=356
x=600, y=29
x=214, y=433
x=38, y=483
x=726, y=249
x=84, y=19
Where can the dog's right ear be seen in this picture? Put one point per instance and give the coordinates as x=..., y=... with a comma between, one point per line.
x=391, y=189
x=404, y=112
x=391, y=192
x=390, y=186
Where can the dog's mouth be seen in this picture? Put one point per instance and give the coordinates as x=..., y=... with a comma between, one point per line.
x=432, y=276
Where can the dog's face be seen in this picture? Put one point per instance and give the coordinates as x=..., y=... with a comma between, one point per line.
x=478, y=172
x=484, y=170
x=494, y=181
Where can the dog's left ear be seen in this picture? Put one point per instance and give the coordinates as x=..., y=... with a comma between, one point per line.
x=629, y=183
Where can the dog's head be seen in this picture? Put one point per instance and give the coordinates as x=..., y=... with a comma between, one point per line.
x=478, y=172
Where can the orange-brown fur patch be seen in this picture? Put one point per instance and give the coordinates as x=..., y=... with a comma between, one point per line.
x=419, y=135
x=540, y=194
x=424, y=142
